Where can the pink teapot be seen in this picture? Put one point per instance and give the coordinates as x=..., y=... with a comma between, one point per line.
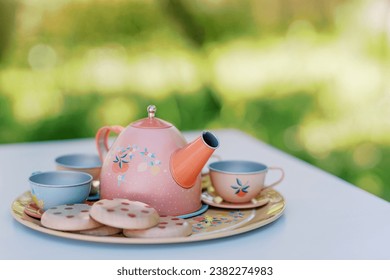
x=150, y=161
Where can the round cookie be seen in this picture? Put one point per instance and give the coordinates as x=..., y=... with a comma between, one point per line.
x=101, y=231
x=123, y=213
x=69, y=217
x=168, y=226
x=33, y=210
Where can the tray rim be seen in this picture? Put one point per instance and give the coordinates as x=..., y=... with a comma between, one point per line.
x=248, y=226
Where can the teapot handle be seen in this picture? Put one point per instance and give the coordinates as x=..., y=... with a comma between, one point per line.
x=102, y=139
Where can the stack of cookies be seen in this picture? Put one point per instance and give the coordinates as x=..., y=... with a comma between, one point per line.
x=114, y=216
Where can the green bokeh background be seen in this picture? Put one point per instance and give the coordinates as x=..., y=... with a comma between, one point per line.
x=308, y=77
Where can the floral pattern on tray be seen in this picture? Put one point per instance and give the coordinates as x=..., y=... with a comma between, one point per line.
x=219, y=220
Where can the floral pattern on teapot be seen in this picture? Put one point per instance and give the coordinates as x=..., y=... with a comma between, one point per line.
x=151, y=162
x=121, y=161
x=122, y=158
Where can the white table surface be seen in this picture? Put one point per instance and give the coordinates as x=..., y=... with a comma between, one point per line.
x=325, y=217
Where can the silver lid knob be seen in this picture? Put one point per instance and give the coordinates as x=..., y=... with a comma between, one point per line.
x=152, y=111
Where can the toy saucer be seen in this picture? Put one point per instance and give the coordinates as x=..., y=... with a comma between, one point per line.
x=208, y=198
x=202, y=209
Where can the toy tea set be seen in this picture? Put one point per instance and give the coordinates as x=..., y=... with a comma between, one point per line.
x=148, y=186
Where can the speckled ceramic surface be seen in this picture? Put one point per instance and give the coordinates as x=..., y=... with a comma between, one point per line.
x=150, y=161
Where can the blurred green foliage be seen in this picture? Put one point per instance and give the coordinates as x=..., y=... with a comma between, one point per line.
x=308, y=77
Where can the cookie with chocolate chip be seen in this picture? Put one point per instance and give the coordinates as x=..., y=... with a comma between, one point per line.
x=124, y=213
x=69, y=217
x=101, y=231
x=168, y=226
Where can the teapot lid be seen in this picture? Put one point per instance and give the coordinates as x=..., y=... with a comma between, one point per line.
x=151, y=121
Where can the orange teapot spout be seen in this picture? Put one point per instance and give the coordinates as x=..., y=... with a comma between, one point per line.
x=187, y=162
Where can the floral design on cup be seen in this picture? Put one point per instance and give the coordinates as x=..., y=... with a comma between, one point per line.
x=240, y=188
x=224, y=172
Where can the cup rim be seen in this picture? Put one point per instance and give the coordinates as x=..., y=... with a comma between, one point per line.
x=88, y=181
x=62, y=157
x=259, y=167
